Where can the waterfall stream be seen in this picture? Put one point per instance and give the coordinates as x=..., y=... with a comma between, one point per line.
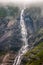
x=24, y=48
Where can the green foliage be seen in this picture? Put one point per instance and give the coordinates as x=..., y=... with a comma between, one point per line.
x=9, y=11
x=12, y=11
x=3, y=12
x=35, y=55
x=2, y=53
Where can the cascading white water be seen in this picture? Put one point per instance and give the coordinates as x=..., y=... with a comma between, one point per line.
x=24, y=48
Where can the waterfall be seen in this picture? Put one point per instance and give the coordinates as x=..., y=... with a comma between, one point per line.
x=24, y=48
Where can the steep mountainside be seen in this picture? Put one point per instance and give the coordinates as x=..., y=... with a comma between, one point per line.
x=34, y=56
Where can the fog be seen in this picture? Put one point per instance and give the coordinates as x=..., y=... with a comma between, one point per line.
x=20, y=2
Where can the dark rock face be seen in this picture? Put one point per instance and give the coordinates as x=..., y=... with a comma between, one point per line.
x=14, y=40
x=31, y=17
x=10, y=30
x=33, y=21
x=10, y=34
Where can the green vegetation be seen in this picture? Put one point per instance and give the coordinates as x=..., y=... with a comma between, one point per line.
x=2, y=53
x=9, y=11
x=3, y=12
x=12, y=11
x=34, y=56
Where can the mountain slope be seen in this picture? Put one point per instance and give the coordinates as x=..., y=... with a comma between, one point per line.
x=34, y=56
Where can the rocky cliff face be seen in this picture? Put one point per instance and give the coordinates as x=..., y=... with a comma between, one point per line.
x=9, y=28
x=35, y=55
x=10, y=33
